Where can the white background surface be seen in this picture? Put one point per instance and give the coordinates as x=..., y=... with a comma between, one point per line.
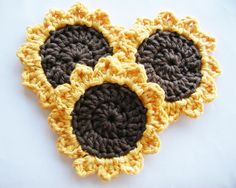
x=194, y=153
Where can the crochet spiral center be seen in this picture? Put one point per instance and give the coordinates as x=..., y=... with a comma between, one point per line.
x=173, y=62
x=108, y=120
x=68, y=46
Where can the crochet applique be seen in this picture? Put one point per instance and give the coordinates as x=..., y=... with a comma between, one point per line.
x=111, y=91
x=108, y=117
x=177, y=56
x=53, y=48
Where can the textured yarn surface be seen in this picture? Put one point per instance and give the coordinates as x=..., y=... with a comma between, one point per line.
x=108, y=120
x=68, y=46
x=171, y=61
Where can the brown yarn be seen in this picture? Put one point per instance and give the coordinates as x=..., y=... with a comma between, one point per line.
x=68, y=46
x=173, y=62
x=108, y=120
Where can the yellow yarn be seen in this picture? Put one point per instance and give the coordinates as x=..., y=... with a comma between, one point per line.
x=108, y=70
x=188, y=27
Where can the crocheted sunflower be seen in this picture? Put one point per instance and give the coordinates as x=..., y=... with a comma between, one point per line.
x=111, y=91
x=64, y=39
x=177, y=56
x=108, y=117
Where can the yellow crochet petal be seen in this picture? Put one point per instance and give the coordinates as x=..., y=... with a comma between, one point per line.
x=108, y=169
x=85, y=166
x=111, y=67
x=134, y=72
x=59, y=121
x=189, y=24
x=158, y=118
x=144, y=22
x=174, y=109
x=99, y=17
x=100, y=20
x=37, y=34
x=34, y=78
x=151, y=93
x=208, y=88
x=167, y=20
x=133, y=162
x=150, y=142
x=78, y=11
x=66, y=96
x=28, y=54
x=143, y=28
x=55, y=19
x=211, y=66
x=194, y=106
x=206, y=40
x=152, y=97
x=83, y=77
x=127, y=46
x=68, y=145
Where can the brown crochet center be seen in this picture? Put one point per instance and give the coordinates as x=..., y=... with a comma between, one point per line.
x=108, y=120
x=68, y=46
x=173, y=62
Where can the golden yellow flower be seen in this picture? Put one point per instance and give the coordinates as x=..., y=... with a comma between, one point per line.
x=40, y=35
x=177, y=56
x=94, y=118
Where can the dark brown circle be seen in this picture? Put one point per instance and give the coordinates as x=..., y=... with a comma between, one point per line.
x=68, y=46
x=173, y=62
x=108, y=120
